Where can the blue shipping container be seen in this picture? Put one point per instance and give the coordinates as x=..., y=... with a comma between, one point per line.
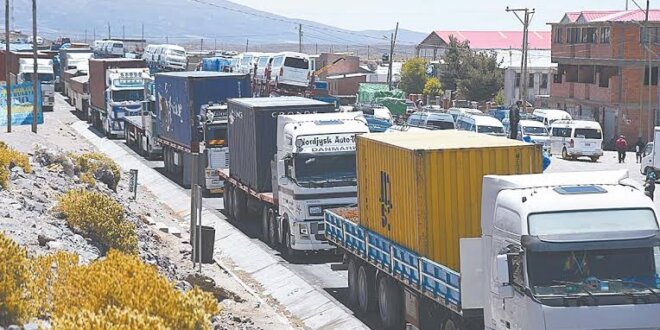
x=181, y=95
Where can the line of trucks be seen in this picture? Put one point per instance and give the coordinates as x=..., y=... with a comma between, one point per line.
x=21, y=69
x=452, y=230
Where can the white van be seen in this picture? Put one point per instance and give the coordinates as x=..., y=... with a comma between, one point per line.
x=263, y=62
x=247, y=60
x=457, y=112
x=149, y=51
x=576, y=138
x=172, y=58
x=480, y=123
x=113, y=48
x=291, y=69
x=549, y=116
x=431, y=120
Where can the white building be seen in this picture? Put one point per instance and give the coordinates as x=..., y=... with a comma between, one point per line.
x=541, y=72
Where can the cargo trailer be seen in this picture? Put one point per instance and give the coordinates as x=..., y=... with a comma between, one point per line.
x=191, y=109
x=457, y=230
x=290, y=158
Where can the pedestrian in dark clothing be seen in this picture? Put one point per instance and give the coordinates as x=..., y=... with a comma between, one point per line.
x=621, y=147
x=639, y=149
x=514, y=119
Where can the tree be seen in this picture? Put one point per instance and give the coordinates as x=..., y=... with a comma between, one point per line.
x=432, y=87
x=499, y=98
x=413, y=76
x=483, y=77
x=455, y=58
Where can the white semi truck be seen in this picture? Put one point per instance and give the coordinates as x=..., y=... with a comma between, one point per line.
x=45, y=75
x=555, y=251
x=311, y=169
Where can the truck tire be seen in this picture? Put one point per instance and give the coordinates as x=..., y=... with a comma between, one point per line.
x=352, y=282
x=365, y=285
x=265, y=225
x=288, y=251
x=239, y=209
x=272, y=228
x=450, y=324
x=390, y=303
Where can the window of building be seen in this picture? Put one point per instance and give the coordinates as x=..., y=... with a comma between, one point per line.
x=573, y=35
x=605, y=35
x=654, y=76
x=559, y=35
x=544, y=80
x=652, y=32
x=589, y=35
x=517, y=79
x=556, y=78
x=530, y=81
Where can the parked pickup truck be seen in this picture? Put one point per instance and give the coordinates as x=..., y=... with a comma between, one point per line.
x=443, y=239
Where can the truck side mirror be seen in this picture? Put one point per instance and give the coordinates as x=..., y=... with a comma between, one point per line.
x=503, y=277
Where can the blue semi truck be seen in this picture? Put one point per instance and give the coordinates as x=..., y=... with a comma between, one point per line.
x=191, y=115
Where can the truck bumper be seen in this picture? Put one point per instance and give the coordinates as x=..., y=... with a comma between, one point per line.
x=309, y=243
x=585, y=153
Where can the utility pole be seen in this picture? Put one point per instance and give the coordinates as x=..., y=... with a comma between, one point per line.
x=35, y=80
x=123, y=32
x=300, y=37
x=652, y=119
x=316, y=49
x=526, y=20
x=392, y=45
x=7, y=66
x=142, y=31
x=94, y=33
x=85, y=36
x=109, y=32
x=247, y=45
x=201, y=44
x=167, y=39
x=215, y=45
x=368, y=52
x=626, y=5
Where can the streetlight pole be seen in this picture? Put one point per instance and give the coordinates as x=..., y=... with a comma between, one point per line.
x=526, y=20
x=35, y=77
x=7, y=77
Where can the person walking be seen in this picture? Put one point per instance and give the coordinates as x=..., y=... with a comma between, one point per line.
x=621, y=147
x=514, y=119
x=639, y=149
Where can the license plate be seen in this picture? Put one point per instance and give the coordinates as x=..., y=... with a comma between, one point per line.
x=587, y=144
x=216, y=191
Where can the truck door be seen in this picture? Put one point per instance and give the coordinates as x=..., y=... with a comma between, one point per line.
x=648, y=160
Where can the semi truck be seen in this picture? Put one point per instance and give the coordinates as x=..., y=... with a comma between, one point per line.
x=45, y=76
x=117, y=90
x=70, y=59
x=290, y=158
x=141, y=131
x=458, y=230
x=79, y=95
x=191, y=110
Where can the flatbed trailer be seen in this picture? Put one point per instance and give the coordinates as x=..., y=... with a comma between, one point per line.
x=140, y=138
x=264, y=197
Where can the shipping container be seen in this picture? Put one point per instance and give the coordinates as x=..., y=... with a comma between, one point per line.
x=253, y=135
x=97, y=78
x=423, y=190
x=181, y=95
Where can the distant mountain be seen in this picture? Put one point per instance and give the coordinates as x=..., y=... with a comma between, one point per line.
x=183, y=21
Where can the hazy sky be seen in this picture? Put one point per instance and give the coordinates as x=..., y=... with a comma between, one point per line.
x=428, y=15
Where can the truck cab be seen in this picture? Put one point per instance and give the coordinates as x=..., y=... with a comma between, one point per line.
x=215, y=148
x=588, y=260
x=125, y=95
x=45, y=75
x=315, y=171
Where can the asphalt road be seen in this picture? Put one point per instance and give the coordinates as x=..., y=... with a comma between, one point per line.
x=316, y=269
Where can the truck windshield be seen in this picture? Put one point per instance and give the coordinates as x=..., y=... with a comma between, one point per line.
x=216, y=136
x=595, y=273
x=537, y=131
x=128, y=95
x=316, y=171
x=591, y=221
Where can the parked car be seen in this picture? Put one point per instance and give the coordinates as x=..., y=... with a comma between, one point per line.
x=576, y=138
x=480, y=123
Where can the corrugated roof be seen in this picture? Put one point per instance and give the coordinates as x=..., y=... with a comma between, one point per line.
x=499, y=39
x=613, y=16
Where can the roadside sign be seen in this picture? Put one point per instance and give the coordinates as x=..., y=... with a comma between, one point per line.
x=21, y=104
x=133, y=182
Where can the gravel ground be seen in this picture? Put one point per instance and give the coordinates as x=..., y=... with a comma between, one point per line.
x=27, y=216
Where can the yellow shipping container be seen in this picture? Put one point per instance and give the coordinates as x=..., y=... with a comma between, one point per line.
x=423, y=190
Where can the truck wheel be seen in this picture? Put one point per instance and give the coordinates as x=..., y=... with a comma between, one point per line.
x=352, y=282
x=226, y=199
x=265, y=225
x=289, y=252
x=238, y=201
x=365, y=285
x=272, y=228
x=390, y=303
x=450, y=324
x=594, y=159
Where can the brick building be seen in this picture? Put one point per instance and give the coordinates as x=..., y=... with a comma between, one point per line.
x=603, y=69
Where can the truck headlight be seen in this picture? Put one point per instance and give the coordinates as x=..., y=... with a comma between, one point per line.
x=315, y=210
x=303, y=229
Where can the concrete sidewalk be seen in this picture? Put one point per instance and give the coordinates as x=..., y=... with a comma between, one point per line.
x=298, y=297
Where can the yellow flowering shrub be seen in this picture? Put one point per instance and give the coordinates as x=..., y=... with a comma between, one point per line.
x=44, y=272
x=125, y=282
x=89, y=164
x=99, y=217
x=13, y=278
x=8, y=159
x=112, y=318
